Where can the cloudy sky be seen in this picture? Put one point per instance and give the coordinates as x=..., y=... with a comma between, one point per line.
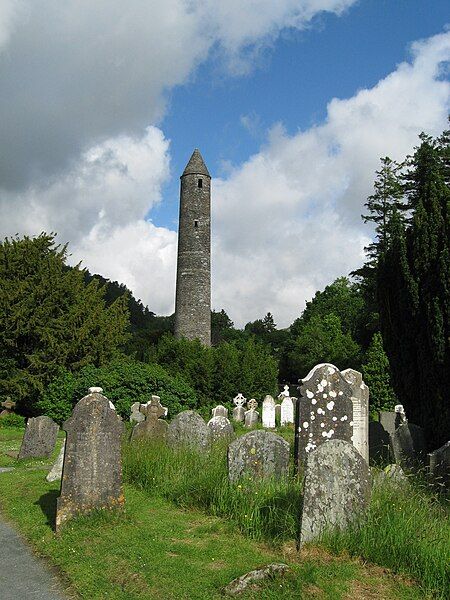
x=291, y=102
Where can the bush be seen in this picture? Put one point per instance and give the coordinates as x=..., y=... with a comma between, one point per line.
x=264, y=509
x=12, y=420
x=123, y=381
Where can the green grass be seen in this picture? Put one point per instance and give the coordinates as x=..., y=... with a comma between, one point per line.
x=407, y=530
x=263, y=510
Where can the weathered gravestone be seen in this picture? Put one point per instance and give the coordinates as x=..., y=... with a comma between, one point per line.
x=278, y=414
x=287, y=411
x=92, y=471
x=360, y=399
x=408, y=445
x=439, y=466
x=325, y=410
x=189, y=429
x=258, y=454
x=39, y=438
x=220, y=411
x=251, y=415
x=136, y=415
x=8, y=407
x=239, y=410
x=153, y=427
x=268, y=412
x=55, y=472
x=336, y=488
x=221, y=428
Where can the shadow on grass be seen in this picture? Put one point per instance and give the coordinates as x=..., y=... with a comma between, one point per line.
x=47, y=502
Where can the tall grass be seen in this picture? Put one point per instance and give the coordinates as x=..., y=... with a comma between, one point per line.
x=406, y=530
x=263, y=510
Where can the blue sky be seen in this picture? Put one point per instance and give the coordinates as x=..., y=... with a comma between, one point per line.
x=291, y=102
x=292, y=83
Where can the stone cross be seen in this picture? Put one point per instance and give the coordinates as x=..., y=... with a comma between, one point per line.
x=268, y=412
x=400, y=412
x=285, y=393
x=239, y=410
x=153, y=427
x=251, y=415
x=325, y=409
x=39, y=438
x=360, y=399
x=92, y=471
x=336, y=488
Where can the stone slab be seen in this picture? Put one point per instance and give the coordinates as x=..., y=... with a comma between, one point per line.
x=189, y=429
x=39, y=438
x=258, y=454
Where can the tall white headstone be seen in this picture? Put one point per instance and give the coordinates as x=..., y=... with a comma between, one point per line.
x=287, y=411
x=360, y=400
x=268, y=412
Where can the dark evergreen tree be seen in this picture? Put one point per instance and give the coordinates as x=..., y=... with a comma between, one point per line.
x=377, y=375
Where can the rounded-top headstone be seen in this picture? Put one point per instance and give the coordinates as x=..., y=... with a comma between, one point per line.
x=337, y=488
x=258, y=454
x=39, y=438
x=189, y=429
x=220, y=411
x=221, y=428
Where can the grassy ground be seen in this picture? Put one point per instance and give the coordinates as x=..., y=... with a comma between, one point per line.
x=156, y=549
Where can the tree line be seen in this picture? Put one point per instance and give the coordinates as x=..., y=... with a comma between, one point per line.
x=389, y=319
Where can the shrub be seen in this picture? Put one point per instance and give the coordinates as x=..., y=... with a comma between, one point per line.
x=123, y=381
x=12, y=420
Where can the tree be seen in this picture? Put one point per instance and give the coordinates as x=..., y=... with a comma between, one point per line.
x=221, y=326
x=50, y=318
x=377, y=375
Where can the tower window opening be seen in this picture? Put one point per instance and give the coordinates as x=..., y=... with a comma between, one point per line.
x=196, y=223
x=200, y=183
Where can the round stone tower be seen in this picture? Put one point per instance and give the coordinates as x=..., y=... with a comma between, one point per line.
x=193, y=293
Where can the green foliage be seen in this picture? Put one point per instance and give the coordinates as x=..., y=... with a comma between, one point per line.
x=49, y=318
x=377, y=375
x=406, y=530
x=12, y=420
x=322, y=339
x=123, y=381
x=218, y=373
x=261, y=509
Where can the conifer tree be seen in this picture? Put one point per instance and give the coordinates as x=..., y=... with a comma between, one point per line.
x=377, y=375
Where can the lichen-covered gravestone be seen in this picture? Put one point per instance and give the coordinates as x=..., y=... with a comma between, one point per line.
x=408, y=445
x=360, y=399
x=55, y=472
x=251, y=415
x=189, y=429
x=153, y=427
x=221, y=428
x=268, y=412
x=325, y=409
x=258, y=454
x=136, y=415
x=92, y=471
x=336, y=488
x=239, y=410
x=39, y=438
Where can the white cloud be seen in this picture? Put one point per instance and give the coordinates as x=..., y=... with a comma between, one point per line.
x=287, y=222
x=9, y=13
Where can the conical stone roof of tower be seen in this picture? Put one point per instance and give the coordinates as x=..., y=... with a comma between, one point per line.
x=196, y=165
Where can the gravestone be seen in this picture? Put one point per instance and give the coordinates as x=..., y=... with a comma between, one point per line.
x=360, y=399
x=55, y=472
x=408, y=445
x=189, y=429
x=220, y=411
x=379, y=443
x=268, y=412
x=258, y=454
x=336, y=488
x=439, y=466
x=251, y=416
x=92, y=471
x=325, y=409
x=39, y=438
x=287, y=411
x=136, y=415
x=8, y=407
x=153, y=427
x=239, y=410
x=221, y=428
